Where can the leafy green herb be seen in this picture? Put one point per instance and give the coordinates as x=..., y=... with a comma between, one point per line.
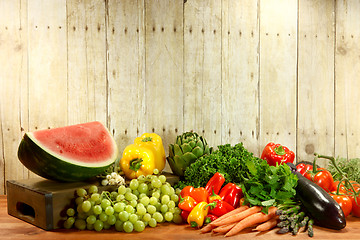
x=263, y=185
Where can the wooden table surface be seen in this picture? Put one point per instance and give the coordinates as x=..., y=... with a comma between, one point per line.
x=13, y=228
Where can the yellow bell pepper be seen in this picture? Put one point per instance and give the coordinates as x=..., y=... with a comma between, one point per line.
x=137, y=160
x=154, y=142
x=197, y=215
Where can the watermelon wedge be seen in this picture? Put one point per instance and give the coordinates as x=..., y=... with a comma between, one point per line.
x=71, y=153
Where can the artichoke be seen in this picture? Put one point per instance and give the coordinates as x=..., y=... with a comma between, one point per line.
x=188, y=147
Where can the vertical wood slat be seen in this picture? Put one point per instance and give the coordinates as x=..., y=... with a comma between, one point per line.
x=202, y=69
x=347, y=84
x=86, y=61
x=278, y=54
x=13, y=88
x=164, y=68
x=240, y=85
x=47, y=58
x=126, y=56
x=315, y=79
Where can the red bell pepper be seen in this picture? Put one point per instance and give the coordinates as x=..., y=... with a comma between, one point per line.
x=186, y=191
x=210, y=218
x=187, y=203
x=277, y=154
x=219, y=207
x=199, y=194
x=215, y=183
x=184, y=215
x=231, y=194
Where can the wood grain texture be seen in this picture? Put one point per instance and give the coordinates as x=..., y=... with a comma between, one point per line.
x=315, y=79
x=234, y=71
x=16, y=229
x=347, y=74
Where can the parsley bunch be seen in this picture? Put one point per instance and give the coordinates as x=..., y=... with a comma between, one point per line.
x=263, y=185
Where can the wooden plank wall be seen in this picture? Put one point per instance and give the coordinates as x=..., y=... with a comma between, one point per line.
x=234, y=71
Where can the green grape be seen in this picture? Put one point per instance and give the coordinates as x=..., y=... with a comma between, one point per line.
x=129, y=209
x=79, y=208
x=152, y=222
x=178, y=191
x=165, y=199
x=127, y=190
x=91, y=219
x=134, y=184
x=143, y=188
x=70, y=212
x=164, y=208
x=153, y=201
x=89, y=226
x=177, y=218
x=139, y=226
x=158, y=206
x=129, y=196
x=156, y=171
x=141, y=195
x=171, y=204
x=133, y=203
x=158, y=217
x=93, y=189
x=120, y=197
x=140, y=205
x=168, y=216
x=103, y=217
x=80, y=224
x=79, y=200
x=174, y=197
x=128, y=227
x=119, y=225
x=146, y=217
x=156, y=183
x=151, y=209
x=133, y=218
x=141, y=211
x=98, y=225
x=165, y=189
x=162, y=178
x=105, y=203
x=124, y=216
x=145, y=200
x=114, y=195
x=119, y=206
x=69, y=222
x=106, y=225
x=111, y=220
x=172, y=191
x=97, y=209
x=82, y=215
x=177, y=210
x=122, y=190
x=86, y=206
x=109, y=210
x=81, y=192
x=172, y=210
x=156, y=194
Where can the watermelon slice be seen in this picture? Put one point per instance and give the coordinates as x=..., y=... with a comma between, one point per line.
x=71, y=153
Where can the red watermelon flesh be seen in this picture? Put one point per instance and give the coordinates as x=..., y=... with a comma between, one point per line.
x=88, y=142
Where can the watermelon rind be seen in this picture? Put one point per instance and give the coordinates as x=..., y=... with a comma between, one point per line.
x=50, y=165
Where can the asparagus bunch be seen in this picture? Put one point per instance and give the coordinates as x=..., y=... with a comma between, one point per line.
x=293, y=219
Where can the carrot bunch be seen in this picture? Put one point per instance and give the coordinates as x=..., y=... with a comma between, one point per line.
x=243, y=217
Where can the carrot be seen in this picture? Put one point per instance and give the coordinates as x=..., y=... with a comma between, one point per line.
x=270, y=224
x=250, y=220
x=237, y=217
x=224, y=228
x=209, y=227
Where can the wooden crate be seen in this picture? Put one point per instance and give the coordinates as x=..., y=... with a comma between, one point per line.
x=43, y=202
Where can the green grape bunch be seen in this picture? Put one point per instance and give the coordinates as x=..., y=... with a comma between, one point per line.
x=145, y=201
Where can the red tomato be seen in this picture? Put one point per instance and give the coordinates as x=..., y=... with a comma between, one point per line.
x=302, y=168
x=345, y=203
x=355, y=206
x=344, y=188
x=323, y=178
